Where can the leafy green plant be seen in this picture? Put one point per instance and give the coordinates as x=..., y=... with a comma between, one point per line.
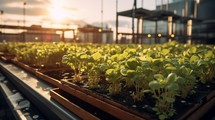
x=95, y=67
x=164, y=90
x=77, y=61
x=114, y=77
x=137, y=74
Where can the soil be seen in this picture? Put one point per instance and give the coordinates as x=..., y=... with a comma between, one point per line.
x=86, y=106
x=145, y=106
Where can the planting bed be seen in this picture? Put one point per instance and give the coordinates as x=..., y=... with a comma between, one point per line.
x=169, y=81
x=123, y=101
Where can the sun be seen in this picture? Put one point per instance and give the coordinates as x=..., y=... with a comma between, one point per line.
x=57, y=11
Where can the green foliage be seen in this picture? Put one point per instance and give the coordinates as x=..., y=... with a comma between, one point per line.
x=164, y=90
x=165, y=70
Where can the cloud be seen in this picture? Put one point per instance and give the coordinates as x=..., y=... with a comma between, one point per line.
x=33, y=7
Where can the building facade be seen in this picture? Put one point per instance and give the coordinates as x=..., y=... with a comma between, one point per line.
x=202, y=10
x=92, y=34
x=31, y=36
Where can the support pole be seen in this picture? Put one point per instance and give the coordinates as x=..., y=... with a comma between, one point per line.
x=196, y=8
x=186, y=7
x=140, y=33
x=189, y=32
x=167, y=5
x=24, y=4
x=138, y=30
x=161, y=6
x=2, y=37
x=156, y=29
x=63, y=37
x=117, y=41
x=133, y=16
x=74, y=35
x=169, y=28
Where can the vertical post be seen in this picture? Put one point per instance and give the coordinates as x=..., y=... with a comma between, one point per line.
x=101, y=21
x=186, y=7
x=74, y=35
x=63, y=37
x=156, y=27
x=133, y=16
x=174, y=24
x=142, y=32
x=117, y=22
x=2, y=12
x=24, y=4
x=196, y=8
x=167, y=5
x=189, y=31
x=102, y=14
x=161, y=5
x=169, y=27
x=138, y=30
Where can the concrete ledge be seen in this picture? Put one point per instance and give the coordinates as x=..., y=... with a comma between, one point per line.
x=37, y=92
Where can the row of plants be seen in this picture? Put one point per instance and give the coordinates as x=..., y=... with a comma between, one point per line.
x=163, y=71
x=38, y=55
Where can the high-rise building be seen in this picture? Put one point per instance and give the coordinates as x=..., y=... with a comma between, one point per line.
x=203, y=10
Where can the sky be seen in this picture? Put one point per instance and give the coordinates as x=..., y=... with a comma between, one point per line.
x=67, y=13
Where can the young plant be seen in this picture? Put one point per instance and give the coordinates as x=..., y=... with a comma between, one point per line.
x=95, y=67
x=77, y=61
x=114, y=77
x=137, y=74
x=164, y=91
x=185, y=79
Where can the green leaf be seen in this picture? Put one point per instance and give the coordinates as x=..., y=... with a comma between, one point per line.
x=83, y=57
x=131, y=73
x=158, y=76
x=180, y=80
x=97, y=56
x=171, y=68
x=132, y=63
x=154, y=84
x=109, y=71
x=165, y=51
x=170, y=100
x=65, y=59
x=194, y=58
x=162, y=117
x=171, y=77
x=185, y=70
x=193, y=49
x=123, y=72
x=173, y=86
x=103, y=67
x=209, y=54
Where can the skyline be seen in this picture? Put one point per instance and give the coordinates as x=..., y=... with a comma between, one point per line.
x=38, y=11
x=68, y=13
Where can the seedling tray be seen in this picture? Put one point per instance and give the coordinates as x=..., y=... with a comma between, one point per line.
x=80, y=108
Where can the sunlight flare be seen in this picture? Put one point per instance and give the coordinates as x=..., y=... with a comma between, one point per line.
x=57, y=11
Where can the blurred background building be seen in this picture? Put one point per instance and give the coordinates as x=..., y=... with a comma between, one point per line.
x=192, y=20
x=203, y=10
x=93, y=34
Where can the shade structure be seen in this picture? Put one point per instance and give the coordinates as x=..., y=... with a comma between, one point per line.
x=139, y=12
x=151, y=15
